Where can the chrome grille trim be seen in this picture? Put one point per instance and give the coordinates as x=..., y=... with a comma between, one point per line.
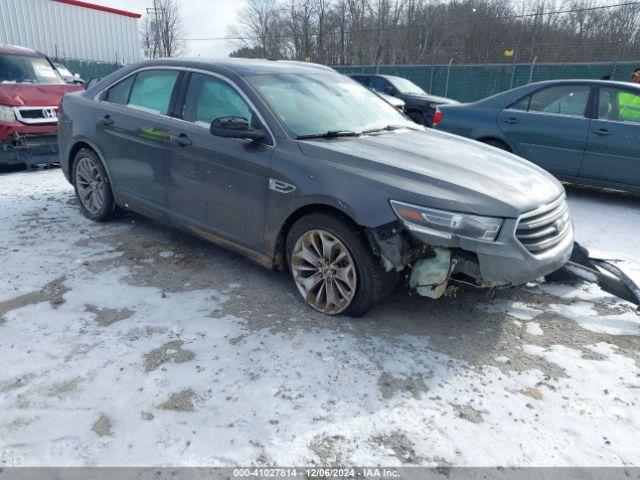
x=36, y=115
x=543, y=228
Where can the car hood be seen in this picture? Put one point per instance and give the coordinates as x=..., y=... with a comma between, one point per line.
x=25, y=94
x=441, y=170
x=431, y=99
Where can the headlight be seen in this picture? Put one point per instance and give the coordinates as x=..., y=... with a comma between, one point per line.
x=447, y=224
x=7, y=114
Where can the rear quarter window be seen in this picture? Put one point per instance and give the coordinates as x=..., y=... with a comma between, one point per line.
x=522, y=104
x=119, y=93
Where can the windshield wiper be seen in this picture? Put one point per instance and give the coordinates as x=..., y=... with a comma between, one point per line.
x=388, y=128
x=329, y=134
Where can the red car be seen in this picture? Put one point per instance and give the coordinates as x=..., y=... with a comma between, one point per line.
x=30, y=91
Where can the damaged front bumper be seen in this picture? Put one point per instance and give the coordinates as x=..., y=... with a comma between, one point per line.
x=603, y=272
x=435, y=264
x=30, y=149
x=434, y=271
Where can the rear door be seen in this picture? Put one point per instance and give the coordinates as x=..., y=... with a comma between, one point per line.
x=550, y=127
x=133, y=129
x=613, y=148
x=218, y=185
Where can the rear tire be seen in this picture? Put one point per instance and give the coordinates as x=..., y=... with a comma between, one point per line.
x=496, y=143
x=92, y=186
x=347, y=269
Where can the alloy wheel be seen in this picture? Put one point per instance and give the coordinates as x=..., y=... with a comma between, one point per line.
x=90, y=184
x=324, y=271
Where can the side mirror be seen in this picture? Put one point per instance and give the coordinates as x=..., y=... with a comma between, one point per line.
x=236, y=127
x=389, y=90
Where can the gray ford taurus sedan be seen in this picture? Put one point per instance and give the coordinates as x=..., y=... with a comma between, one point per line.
x=299, y=167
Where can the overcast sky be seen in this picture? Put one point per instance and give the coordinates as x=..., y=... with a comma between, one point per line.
x=201, y=18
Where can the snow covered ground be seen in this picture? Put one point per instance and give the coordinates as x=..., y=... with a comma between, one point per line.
x=128, y=343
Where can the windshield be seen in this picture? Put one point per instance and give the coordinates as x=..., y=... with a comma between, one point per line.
x=406, y=86
x=313, y=104
x=25, y=69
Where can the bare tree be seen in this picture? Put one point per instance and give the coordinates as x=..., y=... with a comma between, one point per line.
x=374, y=32
x=162, y=30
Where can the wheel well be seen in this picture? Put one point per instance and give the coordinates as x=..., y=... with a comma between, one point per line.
x=411, y=110
x=281, y=240
x=72, y=155
x=494, y=139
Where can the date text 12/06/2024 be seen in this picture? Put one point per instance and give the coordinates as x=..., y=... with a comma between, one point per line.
x=316, y=473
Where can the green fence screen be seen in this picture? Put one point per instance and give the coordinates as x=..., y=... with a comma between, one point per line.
x=461, y=82
x=473, y=82
x=88, y=69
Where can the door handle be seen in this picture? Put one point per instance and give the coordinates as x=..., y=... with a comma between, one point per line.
x=106, y=120
x=183, y=140
x=511, y=120
x=603, y=132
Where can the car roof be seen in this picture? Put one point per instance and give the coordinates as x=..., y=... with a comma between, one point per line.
x=375, y=75
x=243, y=66
x=16, y=50
x=508, y=96
x=586, y=81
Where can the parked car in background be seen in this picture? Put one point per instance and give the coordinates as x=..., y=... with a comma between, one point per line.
x=299, y=167
x=30, y=91
x=419, y=105
x=582, y=131
x=67, y=76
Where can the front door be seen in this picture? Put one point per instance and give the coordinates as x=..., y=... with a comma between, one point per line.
x=613, y=149
x=218, y=185
x=550, y=127
x=133, y=129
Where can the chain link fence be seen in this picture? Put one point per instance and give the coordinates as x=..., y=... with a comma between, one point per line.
x=468, y=83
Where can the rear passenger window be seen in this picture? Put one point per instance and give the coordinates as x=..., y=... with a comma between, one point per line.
x=152, y=90
x=209, y=98
x=119, y=93
x=565, y=100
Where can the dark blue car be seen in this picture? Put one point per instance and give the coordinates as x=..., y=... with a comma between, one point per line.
x=582, y=131
x=418, y=104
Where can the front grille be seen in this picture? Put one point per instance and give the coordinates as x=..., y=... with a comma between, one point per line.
x=37, y=115
x=545, y=227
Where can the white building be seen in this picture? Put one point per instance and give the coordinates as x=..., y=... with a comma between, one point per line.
x=71, y=29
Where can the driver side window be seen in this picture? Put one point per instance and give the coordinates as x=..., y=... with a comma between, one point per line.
x=619, y=105
x=209, y=98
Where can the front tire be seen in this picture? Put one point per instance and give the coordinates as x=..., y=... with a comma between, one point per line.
x=334, y=268
x=92, y=186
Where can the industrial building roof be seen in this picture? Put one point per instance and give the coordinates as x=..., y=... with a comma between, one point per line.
x=101, y=8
